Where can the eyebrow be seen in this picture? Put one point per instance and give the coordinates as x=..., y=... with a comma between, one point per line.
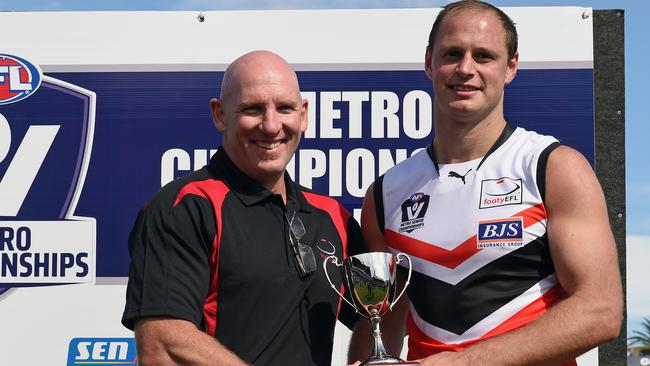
x=243, y=105
x=280, y=103
x=445, y=48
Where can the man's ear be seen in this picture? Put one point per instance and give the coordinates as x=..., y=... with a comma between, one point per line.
x=511, y=72
x=427, y=63
x=304, y=118
x=216, y=106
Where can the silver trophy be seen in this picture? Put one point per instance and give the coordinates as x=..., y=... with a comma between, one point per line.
x=370, y=280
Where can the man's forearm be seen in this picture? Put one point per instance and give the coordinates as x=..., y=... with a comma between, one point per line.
x=178, y=342
x=570, y=328
x=360, y=342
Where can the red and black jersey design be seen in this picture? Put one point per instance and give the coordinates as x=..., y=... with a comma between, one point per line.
x=212, y=248
x=476, y=234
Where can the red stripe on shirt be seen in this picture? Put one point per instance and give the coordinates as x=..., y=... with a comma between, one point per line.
x=454, y=257
x=214, y=191
x=336, y=211
x=421, y=345
x=340, y=217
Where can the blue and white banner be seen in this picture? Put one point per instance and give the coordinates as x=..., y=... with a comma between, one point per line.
x=92, y=125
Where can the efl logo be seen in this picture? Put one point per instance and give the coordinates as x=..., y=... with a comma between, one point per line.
x=102, y=351
x=501, y=233
x=19, y=78
x=500, y=192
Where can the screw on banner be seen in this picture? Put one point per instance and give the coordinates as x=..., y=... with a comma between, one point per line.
x=201, y=17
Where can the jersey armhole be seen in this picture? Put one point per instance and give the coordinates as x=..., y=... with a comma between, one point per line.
x=378, y=191
x=541, y=168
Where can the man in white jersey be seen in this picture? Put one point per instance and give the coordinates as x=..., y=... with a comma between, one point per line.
x=514, y=261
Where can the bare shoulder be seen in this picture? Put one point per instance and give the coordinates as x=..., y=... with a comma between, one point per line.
x=570, y=180
x=580, y=237
x=373, y=235
x=581, y=242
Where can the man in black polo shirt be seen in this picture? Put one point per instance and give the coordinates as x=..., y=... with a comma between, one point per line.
x=226, y=262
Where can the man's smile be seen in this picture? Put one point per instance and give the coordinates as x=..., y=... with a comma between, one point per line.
x=267, y=145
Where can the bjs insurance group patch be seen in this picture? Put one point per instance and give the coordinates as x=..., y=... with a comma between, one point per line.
x=508, y=232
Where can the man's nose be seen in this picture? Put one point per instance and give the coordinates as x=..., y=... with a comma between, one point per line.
x=272, y=122
x=466, y=65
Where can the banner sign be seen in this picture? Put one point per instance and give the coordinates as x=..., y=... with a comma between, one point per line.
x=92, y=125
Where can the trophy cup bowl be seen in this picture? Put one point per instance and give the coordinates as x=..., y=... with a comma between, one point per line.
x=370, y=279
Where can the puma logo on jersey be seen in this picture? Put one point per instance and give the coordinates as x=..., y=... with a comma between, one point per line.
x=453, y=174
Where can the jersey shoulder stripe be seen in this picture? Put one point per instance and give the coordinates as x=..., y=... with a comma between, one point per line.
x=215, y=192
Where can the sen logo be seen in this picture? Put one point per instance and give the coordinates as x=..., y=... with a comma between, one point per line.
x=19, y=78
x=102, y=351
x=500, y=233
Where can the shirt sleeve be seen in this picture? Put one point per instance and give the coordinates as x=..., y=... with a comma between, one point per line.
x=170, y=247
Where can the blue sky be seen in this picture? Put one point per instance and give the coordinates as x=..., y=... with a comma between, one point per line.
x=637, y=50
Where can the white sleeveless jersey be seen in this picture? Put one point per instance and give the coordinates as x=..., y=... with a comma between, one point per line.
x=476, y=235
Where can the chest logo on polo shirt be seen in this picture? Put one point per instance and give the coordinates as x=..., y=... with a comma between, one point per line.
x=500, y=192
x=326, y=248
x=507, y=232
x=413, y=211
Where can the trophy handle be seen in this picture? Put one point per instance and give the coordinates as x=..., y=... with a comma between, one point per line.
x=335, y=260
x=400, y=256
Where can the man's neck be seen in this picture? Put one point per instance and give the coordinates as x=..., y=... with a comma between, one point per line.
x=460, y=141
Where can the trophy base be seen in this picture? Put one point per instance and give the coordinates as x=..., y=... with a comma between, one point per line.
x=388, y=360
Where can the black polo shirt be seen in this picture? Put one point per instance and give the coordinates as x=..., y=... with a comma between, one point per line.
x=213, y=248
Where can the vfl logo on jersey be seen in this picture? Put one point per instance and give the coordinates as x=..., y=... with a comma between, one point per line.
x=102, y=351
x=500, y=192
x=19, y=78
x=501, y=233
x=413, y=211
x=45, y=145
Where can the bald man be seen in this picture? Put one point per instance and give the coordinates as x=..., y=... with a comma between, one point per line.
x=224, y=261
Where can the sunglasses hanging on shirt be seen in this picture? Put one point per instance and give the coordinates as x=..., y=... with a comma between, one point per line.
x=303, y=254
